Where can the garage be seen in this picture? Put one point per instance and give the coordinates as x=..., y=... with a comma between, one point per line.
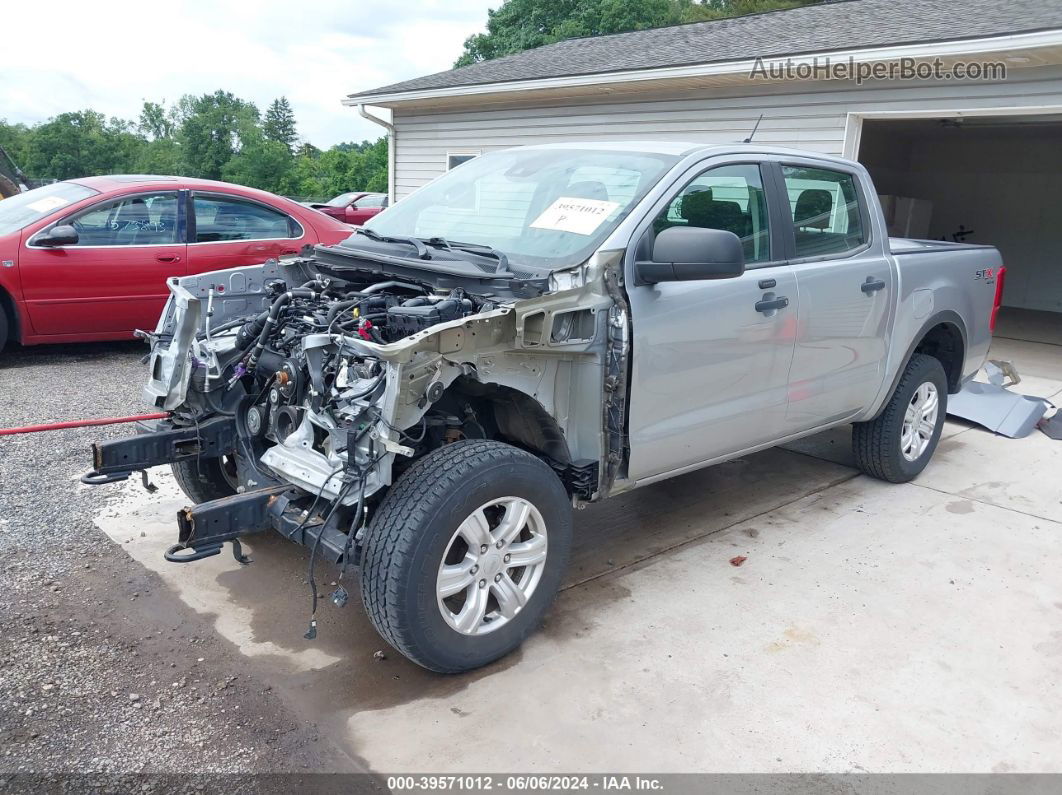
x=980, y=179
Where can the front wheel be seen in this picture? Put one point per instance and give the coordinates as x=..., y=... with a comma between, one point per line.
x=898, y=443
x=206, y=479
x=465, y=554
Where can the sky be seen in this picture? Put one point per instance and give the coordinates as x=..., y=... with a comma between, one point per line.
x=111, y=56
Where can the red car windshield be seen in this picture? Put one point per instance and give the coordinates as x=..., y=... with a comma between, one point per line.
x=25, y=208
x=342, y=200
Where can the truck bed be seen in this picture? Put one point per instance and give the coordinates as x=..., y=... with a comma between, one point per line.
x=903, y=245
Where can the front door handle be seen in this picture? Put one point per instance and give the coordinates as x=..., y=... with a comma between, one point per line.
x=168, y=258
x=768, y=305
x=872, y=285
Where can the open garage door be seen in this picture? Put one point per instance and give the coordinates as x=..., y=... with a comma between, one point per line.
x=992, y=179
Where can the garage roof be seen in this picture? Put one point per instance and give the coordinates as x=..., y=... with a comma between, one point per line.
x=827, y=27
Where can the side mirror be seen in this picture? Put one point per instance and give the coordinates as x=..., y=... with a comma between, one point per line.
x=691, y=253
x=62, y=235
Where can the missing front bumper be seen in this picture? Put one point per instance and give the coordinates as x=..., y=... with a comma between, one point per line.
x=162, y=443
x=203, y=529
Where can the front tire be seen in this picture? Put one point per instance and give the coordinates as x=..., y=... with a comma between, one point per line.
x=206, y=479
x=465, y=554
x=897, y=445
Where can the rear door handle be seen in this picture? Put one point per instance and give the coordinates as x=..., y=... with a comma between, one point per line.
x=775, y=303
x=872, y=285
x=168, y=257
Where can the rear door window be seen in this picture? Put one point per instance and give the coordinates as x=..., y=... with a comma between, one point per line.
x=825, y=211
x=226, y=219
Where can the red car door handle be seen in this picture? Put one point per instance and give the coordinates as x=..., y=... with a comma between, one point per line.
x=167, y=257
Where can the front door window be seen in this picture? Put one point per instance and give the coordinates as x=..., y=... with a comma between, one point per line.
x=729, y=198
x=144, y=219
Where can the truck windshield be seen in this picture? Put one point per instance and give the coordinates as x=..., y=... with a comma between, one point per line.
x=546, y=208
x=25, y=208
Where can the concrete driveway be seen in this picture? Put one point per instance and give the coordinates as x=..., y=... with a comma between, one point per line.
x=873, y=627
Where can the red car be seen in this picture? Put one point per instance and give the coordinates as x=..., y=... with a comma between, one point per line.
x=87, y=259
x=354, y=208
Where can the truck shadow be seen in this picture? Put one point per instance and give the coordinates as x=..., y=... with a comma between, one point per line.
x=627, y=530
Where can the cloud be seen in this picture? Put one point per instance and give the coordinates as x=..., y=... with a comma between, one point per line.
x=111, y=57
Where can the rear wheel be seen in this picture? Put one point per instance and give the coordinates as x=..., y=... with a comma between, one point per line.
x=207, y=479
x=465, y=554
x=898, y=443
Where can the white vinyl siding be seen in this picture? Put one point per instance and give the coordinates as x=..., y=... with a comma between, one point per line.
x=807, y=116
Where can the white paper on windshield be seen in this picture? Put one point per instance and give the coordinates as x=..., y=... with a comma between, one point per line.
x=48, y=203
x=579, y=216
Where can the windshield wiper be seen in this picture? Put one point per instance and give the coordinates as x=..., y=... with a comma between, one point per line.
x=422, y=250
x=472, y=248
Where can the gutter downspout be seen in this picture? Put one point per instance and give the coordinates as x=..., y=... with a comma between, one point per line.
x=390, y=149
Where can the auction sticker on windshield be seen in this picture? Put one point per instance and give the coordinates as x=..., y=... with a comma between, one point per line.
x=578, y=216
x=48, y=203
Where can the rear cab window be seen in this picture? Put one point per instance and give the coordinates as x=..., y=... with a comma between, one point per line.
x=826, y=214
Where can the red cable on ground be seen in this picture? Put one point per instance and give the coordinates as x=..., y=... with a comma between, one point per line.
x=58, y=426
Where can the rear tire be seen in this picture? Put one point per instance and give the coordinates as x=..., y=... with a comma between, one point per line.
x=206, y=479
x=898, y=443
x=465, y=554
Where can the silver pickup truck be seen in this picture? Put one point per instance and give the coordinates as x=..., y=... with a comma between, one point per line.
x=540, y=328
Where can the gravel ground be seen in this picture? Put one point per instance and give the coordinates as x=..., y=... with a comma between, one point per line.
x=101, y=668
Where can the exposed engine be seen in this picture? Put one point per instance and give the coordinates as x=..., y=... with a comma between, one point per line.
x=307, y=392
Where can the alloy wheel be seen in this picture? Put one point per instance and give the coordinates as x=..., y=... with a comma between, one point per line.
x=492, y=565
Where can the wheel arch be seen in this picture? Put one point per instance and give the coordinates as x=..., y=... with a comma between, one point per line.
x=14, y=321
x=942, y=336
x=520, y=418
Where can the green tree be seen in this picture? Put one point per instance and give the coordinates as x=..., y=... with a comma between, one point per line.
x=304, y=179
x=13, y=139
x=155, y=122
x=259, y=164
x=80, y=144
x=368, y=167
x=212, y=128
x=279, y=123
x=217, y=135
x=161, y=156
x=519, y=25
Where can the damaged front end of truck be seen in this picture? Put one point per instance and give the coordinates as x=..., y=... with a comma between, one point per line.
x=305, y=388
x=424, y=401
